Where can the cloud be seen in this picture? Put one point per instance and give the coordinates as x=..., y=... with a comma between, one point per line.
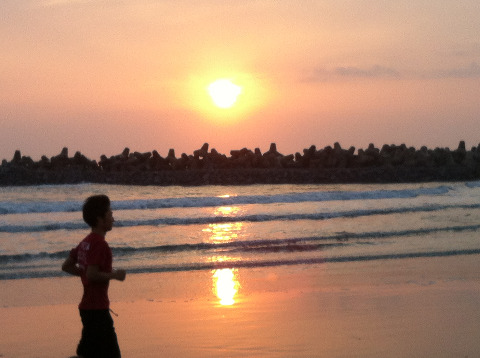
x=471, y=71
x=351, y=72
x=373, y=72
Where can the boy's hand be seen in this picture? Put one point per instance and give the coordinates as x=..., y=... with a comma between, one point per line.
x=120, y=275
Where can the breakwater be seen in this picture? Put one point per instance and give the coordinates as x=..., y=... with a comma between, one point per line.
x=391, y=163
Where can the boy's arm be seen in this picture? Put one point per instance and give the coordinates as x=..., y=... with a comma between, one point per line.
x=70, y=266
x=95, y=275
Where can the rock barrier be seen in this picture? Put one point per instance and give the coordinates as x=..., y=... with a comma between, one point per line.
x=391, y=163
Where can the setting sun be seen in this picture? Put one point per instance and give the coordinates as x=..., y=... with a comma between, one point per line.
x=224, y=96
x=224, y=93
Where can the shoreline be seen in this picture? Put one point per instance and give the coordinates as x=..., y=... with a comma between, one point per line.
x=408, y=307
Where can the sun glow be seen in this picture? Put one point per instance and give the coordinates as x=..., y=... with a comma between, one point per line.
x=224, y=92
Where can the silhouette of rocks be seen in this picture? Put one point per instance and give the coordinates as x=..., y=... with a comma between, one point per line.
x=391, y=163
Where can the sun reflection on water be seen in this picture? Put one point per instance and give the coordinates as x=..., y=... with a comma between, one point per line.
x=226, y=211
x=226, y=285
x=224, y=232
x=225, y=280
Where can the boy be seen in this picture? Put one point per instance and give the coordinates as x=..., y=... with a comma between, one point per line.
x=92, y=261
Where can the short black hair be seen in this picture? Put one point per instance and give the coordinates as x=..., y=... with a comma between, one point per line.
x=94, y=207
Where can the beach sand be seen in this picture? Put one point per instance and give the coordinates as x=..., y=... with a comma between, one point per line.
x=422, y=307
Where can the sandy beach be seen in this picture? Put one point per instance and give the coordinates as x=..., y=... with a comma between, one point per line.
x=422, y=307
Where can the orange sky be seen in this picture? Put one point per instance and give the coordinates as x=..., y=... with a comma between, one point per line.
x=97, y=76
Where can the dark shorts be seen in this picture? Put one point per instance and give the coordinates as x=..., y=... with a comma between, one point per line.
x=99, y=339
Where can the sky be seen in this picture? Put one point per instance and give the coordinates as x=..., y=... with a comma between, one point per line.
x=97, y=76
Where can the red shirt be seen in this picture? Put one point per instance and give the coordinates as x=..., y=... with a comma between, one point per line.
x=93, y=250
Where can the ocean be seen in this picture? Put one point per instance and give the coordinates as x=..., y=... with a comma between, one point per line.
x=165, y=229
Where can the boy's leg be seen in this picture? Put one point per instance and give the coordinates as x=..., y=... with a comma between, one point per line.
x=98, y=335
x=112, y=350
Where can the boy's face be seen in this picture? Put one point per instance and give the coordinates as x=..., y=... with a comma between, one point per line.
x=107, y=221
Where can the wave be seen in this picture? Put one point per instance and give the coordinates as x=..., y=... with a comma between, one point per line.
x=9, y=275
x=173, y=221
x=473, y=184
x=301, y=261
x=9, y=207
x=310, y=243
x=297, y=243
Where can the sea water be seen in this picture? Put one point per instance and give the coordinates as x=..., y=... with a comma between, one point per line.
x=159, y=229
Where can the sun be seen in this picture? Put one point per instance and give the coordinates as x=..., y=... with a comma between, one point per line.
x=224, y=92
x=222, y=95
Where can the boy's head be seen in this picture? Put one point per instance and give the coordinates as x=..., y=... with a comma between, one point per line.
x=96, y=206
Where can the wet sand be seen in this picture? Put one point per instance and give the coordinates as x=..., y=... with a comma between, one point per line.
x=422, y=307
